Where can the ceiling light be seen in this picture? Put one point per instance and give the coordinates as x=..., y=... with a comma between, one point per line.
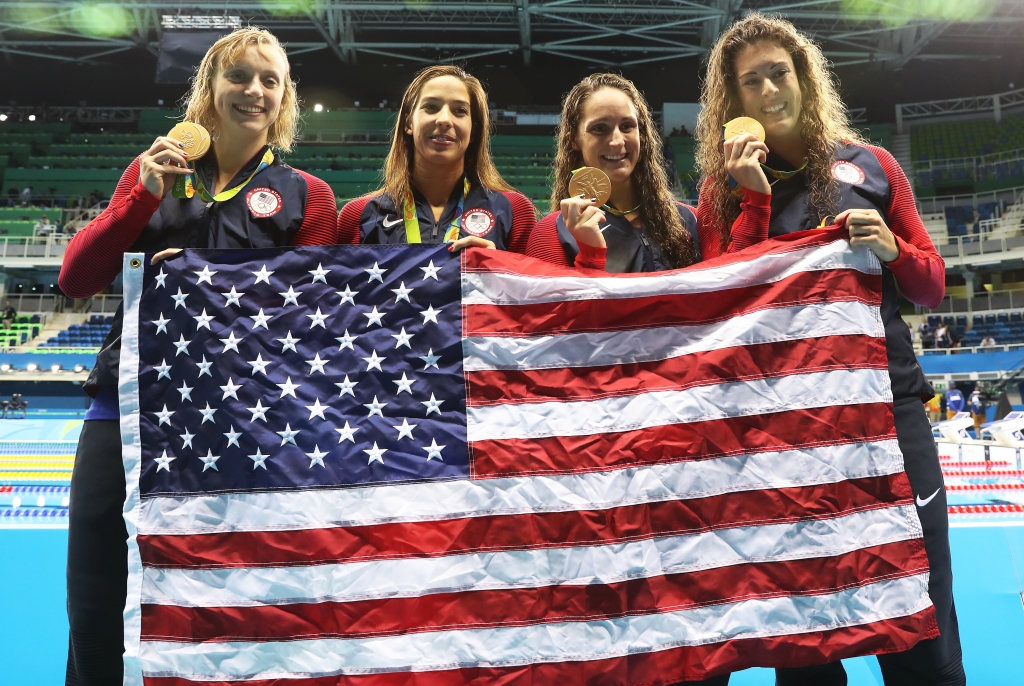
x=32, y=367
x=318, y=107
x=56, y=368
x=31, y=117
x=5, y=367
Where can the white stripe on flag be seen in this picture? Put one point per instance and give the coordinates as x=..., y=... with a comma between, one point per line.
x=531, y=568
x=412, y=502
x=499, y=288
x=540, y=643
x=844, y=318
x=661, y=408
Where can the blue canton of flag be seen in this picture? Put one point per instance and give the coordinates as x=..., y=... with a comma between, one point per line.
x=300, y=368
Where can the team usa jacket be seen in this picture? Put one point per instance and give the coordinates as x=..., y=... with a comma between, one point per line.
x=279, y=206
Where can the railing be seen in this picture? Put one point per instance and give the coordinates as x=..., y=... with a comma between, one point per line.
x=935, y=205
x=994, y=103
x=103, y=304
x=981, y=302
x=30, y=303
x=1005, y=347
x=976, y=167
x=22, y=247
x=339, y=136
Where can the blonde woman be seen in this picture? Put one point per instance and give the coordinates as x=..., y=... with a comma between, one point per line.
x=606, y=124
x=440, y=184
x=243, y=94
x=813, y=169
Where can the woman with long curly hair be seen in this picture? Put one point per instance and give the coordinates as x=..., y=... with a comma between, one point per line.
x=440, y=184
x=606, y=124
x=811, y=170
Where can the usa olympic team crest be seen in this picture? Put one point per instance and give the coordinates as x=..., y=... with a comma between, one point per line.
x=848, y=172
x=477, y=222
x=263, y=202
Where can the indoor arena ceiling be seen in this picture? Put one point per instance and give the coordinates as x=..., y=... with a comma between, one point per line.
x=888, y=33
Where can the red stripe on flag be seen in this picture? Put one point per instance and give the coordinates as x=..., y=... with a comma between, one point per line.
x=698, y=369
x=696, y=440
x=619, y=314
x=522, y=531
x=525, y=606
x=642, y=669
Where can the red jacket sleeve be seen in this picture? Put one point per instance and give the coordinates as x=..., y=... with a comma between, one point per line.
x=524, y=218
x=544, y=245
x=320, y=219
x=919, y=270
x=93, y=257
x=349, y=229
x=750, y=227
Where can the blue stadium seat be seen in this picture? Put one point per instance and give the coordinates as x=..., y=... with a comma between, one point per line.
x=977, y=320
x=947, y=320
x=990, y=319
x=1015, y=317
x=934, y=320
x=961, y=320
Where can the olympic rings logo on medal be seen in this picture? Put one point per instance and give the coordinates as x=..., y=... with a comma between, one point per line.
x=848, y=172
x=263, y=202
x=477, y=222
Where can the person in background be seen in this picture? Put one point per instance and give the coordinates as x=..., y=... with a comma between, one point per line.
x=988, y=341
x=43, y=227
x=913, y=335
x=933, y=408
x=955, y=402
x=979, y=410
x=9, y=314
x=943, y=336
x=26, y=196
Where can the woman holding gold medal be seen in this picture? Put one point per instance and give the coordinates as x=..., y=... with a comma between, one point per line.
x=611, y=204
x=213, y=182
x=440, y=184
x=794, y=163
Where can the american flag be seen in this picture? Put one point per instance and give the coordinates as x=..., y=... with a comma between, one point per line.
x=384, y=465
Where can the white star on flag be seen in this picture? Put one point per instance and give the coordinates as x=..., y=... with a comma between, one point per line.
x=373, y=317
x=164, y=461
x=318, y=319
x=232, y=437
x=433, y=405
x=179, y=299
x=264, y=276
x=403, y=339
x=402, y=293
x=204, y=367
x=161, y=279
x=430, y=271
x=164, y=416
x=373, y=361
x=230, y=391
x=203, y=320
x=186, y=439
x=186, y=391
x=346, y=341
x=230, y=343
x=288, y=388
x=375, y=407
x=205, y=275
x=210, y=461
x=259, y=459
x=288, y=435
x=258, y=412
x=430, y=359
x=163, y=370
x=232, y=297
x=348, y=296
x=207, y=414
x=434, y=450
x=376, y=273
x=161, y=324
x=181, y=346
x=316, y=409
x=346, y=387
x=376, y=454
x=347, y=433
x=404, y=429
x=404, y=384
x=316, y=364
x=319, y=274
x=288, y=343
x=259, y=320
x=259, y=364
x=290, y=296
x=316, y=457
x=430, y=314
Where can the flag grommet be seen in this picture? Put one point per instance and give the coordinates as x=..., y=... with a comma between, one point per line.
x=135, y=263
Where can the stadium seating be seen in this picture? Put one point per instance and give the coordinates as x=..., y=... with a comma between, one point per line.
x=87, y=335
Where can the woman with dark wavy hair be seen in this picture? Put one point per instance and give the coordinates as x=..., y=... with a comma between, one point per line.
x=811, y=170
x=606, y=124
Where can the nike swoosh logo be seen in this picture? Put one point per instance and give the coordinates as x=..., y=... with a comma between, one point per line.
x=922, y=503
x=388, y=225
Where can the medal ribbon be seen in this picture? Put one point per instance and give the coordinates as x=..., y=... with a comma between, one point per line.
x=412, y=220
x=190, y=184
x=771, y=173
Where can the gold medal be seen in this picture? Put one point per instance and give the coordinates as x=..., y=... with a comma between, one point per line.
x=741, y=125
x=592, y=183
x=194, y=138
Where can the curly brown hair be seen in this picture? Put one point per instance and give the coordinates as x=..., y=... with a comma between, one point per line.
x=824, y=120
x=479, y=165
x=226, y=52
x=657, y=206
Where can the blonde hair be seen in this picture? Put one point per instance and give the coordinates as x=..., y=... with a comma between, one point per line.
x=657, y=205
x=824, y=120
x=226, y=52
x=480, y=167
